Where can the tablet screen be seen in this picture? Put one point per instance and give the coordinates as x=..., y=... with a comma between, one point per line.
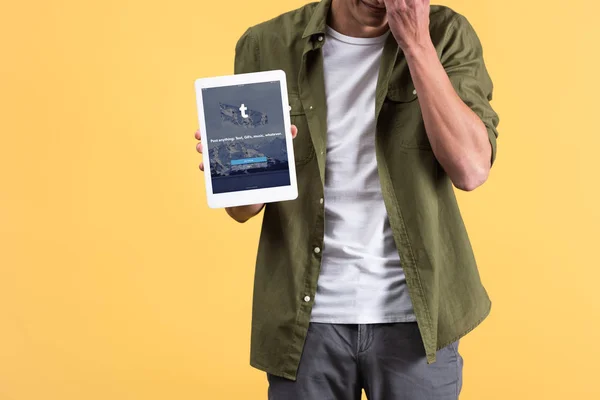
x=245, y=134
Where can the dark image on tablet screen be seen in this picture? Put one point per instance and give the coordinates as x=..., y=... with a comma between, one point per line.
x=246, y=140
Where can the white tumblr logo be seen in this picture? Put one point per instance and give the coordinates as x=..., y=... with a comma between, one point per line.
x=243, y=109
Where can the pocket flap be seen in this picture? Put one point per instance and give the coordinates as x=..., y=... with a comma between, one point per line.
x=402, y=94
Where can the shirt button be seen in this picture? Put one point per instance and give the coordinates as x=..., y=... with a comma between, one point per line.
x=307, y=298
x=290, y=108
x=415, y=91
x=317, y=250
x=321, y=200
x=310, y=108
x=320, y=38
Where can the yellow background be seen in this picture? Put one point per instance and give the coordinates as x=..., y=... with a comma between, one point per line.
x=116, y=280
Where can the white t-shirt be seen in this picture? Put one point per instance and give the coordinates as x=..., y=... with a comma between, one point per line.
x=361, y=279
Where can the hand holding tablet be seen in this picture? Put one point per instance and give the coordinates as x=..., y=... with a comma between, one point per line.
x=246, y=139
x=239, y=213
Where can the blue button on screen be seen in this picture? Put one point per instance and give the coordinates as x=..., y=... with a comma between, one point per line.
x=253, y=160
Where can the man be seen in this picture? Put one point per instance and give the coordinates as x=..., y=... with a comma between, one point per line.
x=368, y=279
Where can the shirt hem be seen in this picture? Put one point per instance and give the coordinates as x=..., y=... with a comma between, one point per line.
x=272, y=371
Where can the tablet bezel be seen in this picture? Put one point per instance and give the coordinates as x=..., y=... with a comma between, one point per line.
x=251, y=196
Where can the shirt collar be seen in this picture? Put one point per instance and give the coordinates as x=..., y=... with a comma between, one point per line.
x=318, y=21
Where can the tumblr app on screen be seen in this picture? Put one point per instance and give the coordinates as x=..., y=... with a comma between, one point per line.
x=246, y=140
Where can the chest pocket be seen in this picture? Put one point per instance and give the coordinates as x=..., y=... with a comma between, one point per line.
x=303, y=148
x=401, y=117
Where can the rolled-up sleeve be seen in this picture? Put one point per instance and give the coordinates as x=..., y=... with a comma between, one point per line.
x=462, y=58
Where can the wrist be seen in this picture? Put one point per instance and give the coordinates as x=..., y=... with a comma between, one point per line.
x=419, y=49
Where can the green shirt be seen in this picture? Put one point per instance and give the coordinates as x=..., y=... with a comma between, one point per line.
x=441, y=274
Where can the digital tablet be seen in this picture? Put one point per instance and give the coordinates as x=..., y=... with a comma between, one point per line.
x=246, y=137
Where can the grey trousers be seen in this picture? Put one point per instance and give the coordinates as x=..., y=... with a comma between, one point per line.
x=386, y=360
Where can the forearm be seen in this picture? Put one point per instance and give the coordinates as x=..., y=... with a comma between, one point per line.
x=457, y=135
x=244, y=213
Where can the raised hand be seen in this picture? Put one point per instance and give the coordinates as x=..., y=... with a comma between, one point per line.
x=409, y=22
